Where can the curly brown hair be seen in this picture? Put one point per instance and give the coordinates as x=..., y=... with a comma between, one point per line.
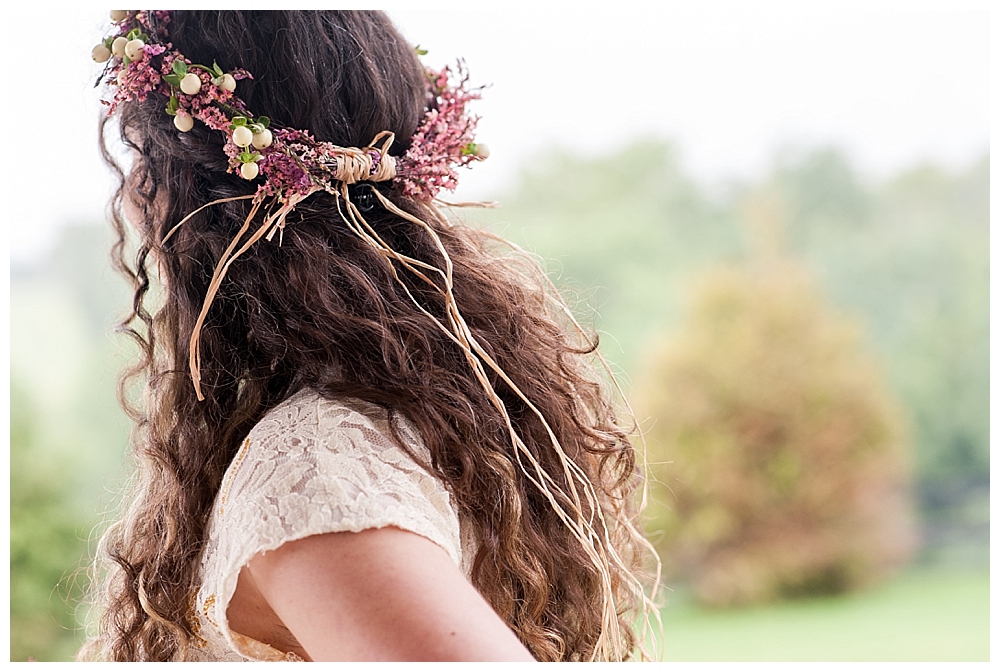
x=323, y=310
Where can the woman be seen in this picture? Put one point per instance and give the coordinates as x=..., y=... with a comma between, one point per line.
x=392, y=447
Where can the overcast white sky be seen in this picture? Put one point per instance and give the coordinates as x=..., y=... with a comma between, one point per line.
x=891, y=83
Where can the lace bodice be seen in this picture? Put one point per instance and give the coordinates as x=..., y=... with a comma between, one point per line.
x=312, y=466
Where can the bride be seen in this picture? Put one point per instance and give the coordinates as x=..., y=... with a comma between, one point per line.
x=368, y=432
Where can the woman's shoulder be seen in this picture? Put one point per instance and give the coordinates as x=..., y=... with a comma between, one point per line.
x=311, y=466
x=314, y=465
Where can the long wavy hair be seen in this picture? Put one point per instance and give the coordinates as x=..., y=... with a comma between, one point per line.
x=323, y=310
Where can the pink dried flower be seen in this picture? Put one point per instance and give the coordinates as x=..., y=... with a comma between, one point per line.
x=442, y=142
x=214, y=118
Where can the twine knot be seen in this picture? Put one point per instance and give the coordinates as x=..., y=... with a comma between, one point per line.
x=367, y=164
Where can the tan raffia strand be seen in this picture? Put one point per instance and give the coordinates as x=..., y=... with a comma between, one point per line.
x=272, y=222
x=649, y=605
x=355, y=165
x=582, y=529
x=207, y=205
x=352, y=165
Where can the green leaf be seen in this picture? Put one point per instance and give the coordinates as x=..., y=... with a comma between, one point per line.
x=173, y=80
x=264, y=121
x=217, y=70
x=239, y=121
x=172, y=105
x=180, y=68
x=420, y=52
x=217, y=81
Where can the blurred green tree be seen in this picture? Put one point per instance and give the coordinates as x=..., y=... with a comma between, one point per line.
x=47, y=544
x=779, y=461
x=910, y=256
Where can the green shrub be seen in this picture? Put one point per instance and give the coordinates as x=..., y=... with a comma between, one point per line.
x=779, y=461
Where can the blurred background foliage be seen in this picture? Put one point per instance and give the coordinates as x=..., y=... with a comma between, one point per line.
x=808, y=353
x=781, y=464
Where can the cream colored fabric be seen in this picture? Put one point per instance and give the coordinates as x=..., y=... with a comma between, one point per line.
x=312, y=466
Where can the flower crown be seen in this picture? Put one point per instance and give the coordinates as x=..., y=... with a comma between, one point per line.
x=140, y=60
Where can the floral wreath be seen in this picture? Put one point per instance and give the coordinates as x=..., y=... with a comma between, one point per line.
x=140, y=60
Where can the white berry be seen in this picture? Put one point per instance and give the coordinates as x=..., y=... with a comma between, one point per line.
x=242, y=137
x=228, y=82
x=482, y=150
x=122, y=74
x=249, y=170
x=263, y=139
x=184, y=123
x=191, y=84
x=118, y=46
x=101, y=53
x=134, y=48
x=117, y=15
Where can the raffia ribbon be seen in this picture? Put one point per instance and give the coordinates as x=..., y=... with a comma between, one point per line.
x=359, y=165
x=353, y=164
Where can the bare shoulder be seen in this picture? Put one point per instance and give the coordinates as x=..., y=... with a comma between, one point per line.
x=379, y=594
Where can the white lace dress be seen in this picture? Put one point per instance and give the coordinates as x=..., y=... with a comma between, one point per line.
x=312, y=466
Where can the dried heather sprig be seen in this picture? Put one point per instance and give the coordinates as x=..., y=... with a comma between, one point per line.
x=445, y=138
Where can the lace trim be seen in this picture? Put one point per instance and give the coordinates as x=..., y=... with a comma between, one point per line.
x=231, y=472
x=251, y=648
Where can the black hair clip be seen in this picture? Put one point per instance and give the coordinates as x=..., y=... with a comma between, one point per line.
x=364, y=197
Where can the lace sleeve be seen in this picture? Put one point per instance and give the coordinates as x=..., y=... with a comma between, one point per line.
x=314, y=466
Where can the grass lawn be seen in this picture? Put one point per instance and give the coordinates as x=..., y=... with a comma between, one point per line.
x=921, y=615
